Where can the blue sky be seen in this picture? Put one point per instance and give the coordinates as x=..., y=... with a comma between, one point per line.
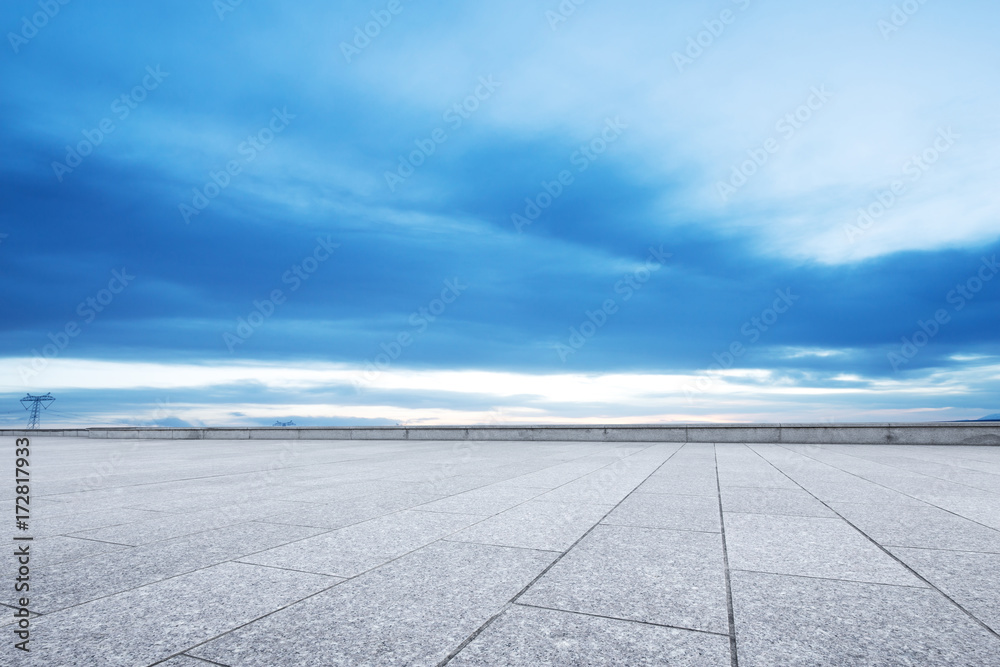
x=218, y=213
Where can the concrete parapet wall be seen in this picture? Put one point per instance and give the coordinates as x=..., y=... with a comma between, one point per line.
x=943, y=433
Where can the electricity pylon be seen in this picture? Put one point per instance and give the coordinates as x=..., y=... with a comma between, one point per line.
x=36, y=401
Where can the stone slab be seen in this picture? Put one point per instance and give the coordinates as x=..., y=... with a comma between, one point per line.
x=982, y=510
x=548, y=526
x=528, y=636
x=775, y=501
x=672, y=481
x=154, y=622
x=349, y=551
x=345, y=513
x=809, y=547
x=186, y=661
x=970, y=579
x=65, y=585
x=487, y=500
x=609, y=485
x=168, y=526
x=66, y=524
x=669, y=577
x=661, y=510
x=414, y=611
x=782, y=620
x=920, y=526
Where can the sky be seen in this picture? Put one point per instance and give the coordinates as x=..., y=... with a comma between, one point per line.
x=403, y=212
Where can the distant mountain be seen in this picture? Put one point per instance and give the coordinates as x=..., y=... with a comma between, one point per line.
x=990, y=418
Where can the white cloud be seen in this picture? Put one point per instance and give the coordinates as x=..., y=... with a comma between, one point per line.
x=889, y=98
x=747, y=395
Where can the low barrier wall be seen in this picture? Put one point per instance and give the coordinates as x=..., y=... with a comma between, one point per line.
x=942, y=433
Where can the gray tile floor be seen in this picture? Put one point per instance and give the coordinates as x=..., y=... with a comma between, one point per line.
x=267, y=554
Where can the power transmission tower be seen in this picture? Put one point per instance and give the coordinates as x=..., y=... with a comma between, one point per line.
x=34, y=402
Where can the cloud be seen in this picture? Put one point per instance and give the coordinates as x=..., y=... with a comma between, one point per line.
x=93, y=392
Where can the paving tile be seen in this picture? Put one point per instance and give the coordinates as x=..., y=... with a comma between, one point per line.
x=971, y=579
x=82, y=521
x=607, y=486
x=328, y=491
x=349, y=551
x=47, y=551
x=809, y=547
x=678, y=482
x=413, y=611
x=447, y=486
x=920, y=526
x=741, y=466
x=60, y=586
x=528, y=636
x=167, y=526
x=670, y=577
x=777, y=501
x=194, y=497
x=536, y=525
x=894, y=478
x=185, y=661
x=921, y=486
x=660, y=510
x=981, y=510
x=853, y=490
x=148, y=624
x=981, y=478
x=345, y=513
x=486, y=501
x=42, y=508
x=799, y=622
x=550, y=478
x=7, y=615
